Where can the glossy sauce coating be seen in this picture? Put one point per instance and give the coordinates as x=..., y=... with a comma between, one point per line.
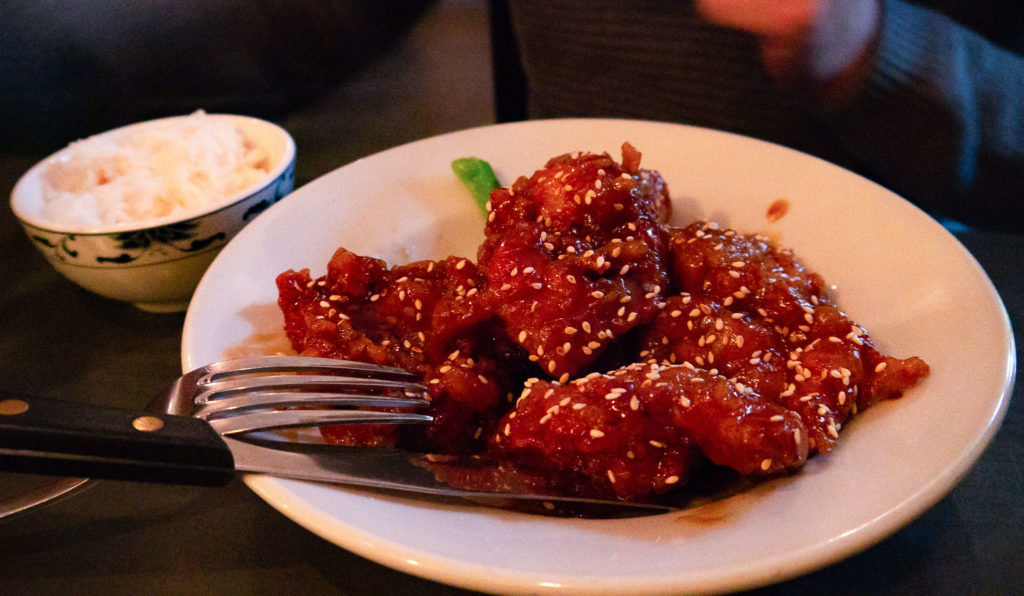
x=428, y=317
x=650, y=350
x=574, y=257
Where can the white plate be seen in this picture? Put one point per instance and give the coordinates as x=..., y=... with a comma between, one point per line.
x=898, y=272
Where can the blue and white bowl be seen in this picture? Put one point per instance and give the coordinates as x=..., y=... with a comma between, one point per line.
x=154, y=264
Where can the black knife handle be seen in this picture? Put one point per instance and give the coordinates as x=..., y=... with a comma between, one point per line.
x=45, y=436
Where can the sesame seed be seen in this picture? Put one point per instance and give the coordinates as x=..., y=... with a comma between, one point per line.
x=672, y=479
x=595, y=433
x=766, y=464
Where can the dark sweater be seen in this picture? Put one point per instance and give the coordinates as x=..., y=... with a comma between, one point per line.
x=940, y=119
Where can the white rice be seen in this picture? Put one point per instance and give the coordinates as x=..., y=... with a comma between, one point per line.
x=163, y=168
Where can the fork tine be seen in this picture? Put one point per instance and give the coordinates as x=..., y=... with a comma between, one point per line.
x=220, y=389
x=272, y=392
x=266, y=364
x=278, y=419
x=271, y=399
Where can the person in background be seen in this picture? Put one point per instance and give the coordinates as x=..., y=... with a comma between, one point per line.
x=926, y=98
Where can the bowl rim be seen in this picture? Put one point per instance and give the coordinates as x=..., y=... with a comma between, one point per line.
x=286, y=162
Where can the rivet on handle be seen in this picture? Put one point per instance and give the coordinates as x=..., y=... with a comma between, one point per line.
x=147, y=423
x=13, y=407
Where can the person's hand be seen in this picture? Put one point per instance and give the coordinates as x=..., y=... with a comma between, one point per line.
x=827, y=43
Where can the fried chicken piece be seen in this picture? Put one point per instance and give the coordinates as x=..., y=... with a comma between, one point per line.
x=699, y=330
x=836, y=372
x=574, y=257
x=426, y=317
x=761, y=317
x=745, y=273
x=639, y=430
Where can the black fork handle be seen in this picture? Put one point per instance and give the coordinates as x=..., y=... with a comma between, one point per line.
x=46, y=436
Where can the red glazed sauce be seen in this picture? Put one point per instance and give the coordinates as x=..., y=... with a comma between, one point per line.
x=592, y=350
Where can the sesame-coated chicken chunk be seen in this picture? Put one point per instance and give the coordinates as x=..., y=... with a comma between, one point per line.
x=638, y=431
x=756, y=313
x=427, y=317
x=574, y=257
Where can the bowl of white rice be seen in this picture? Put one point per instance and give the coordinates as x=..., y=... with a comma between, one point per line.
x=138, y=213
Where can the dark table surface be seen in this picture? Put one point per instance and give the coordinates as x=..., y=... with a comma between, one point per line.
x=129, y=538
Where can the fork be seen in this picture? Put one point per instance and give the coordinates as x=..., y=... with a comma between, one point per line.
x=240, y=416
x=251, y=394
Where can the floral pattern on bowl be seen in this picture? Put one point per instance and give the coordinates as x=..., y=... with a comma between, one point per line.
x=162, y=243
